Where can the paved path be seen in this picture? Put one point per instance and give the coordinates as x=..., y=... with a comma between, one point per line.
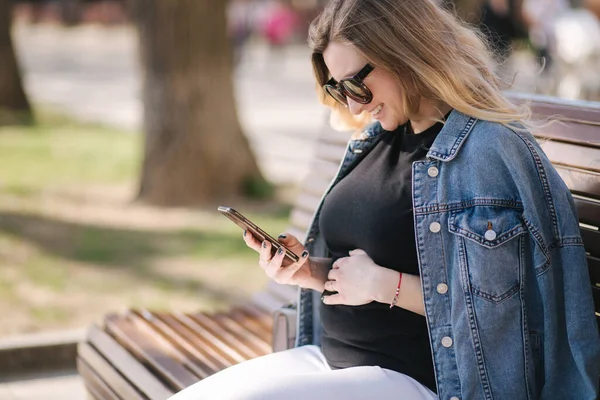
x=91, y=72
x=59, y=386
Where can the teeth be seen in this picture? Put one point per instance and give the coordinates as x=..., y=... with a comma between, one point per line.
x=377, y=110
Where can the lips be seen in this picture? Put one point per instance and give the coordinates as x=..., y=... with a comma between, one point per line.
x=377, y=110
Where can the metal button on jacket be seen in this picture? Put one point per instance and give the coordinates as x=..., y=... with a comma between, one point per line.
x=442, y=288
x=447, y=341
x=435, y=227
x=433, y=172
x=490, y=235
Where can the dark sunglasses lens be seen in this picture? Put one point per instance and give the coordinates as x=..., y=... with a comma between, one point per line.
x=336, y=94
x=357, y=91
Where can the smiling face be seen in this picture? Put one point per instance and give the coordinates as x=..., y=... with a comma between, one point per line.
x=343, y=61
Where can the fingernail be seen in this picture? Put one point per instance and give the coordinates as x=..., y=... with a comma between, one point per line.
x=323, y=299
x=280, y=251
x=264, y=244
x=245, y=232
x=282, y=236
x=304, y=254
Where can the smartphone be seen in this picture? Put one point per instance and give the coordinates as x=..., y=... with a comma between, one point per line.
x=258, y=233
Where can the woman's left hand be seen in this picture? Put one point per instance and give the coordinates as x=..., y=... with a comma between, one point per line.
x=356, y=279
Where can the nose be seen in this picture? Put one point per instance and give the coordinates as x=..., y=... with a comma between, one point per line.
x=354, y=107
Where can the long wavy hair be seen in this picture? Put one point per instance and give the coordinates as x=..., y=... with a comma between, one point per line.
x=427, y=48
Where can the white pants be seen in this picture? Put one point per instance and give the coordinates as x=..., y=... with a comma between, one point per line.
x=302, y=374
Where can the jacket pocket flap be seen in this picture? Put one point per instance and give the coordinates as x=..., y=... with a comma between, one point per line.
x=487, y=225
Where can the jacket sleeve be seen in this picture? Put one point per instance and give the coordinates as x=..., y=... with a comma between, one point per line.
x=571, y=343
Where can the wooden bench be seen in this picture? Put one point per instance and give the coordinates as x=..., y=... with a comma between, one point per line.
x=148, y=355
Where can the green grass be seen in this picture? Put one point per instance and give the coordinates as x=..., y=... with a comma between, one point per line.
x=59, y=151
x=63, y=267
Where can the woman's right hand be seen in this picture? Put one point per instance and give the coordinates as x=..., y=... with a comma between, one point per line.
x=279, y=268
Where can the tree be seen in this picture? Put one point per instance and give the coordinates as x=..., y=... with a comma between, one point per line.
x=195, y=151
x=14, y=106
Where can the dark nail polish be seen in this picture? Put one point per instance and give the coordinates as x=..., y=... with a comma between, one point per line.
x=245, y=232
x=304, y=254
x=282, y=237
x=280, y=251
x=264, y=244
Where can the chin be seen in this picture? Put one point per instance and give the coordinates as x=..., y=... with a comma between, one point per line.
x=389, y=125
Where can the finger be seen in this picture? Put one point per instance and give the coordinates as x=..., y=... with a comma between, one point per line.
x=338, y=263
x=291, y=242
x=357, y=252
x=251, y=241
x=333, y=274
x=333, y=299
x=288, y=271
x=265, y=251
x=277, y=259
x=330, y=286
x=273, y=266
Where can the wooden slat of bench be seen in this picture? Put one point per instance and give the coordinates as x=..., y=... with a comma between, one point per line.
x=548, y=106
x=182, y=339
x=588, y=210
x=248, y=322
x=94, y=384
x=594, y=267
x=307, y=202
x=233, y=355
x=337, y=138
x=330, y=152
x=204, y=352
x=571, y=132
x=241, y=346
x=572, y=156
x=316, y=186
x=118, y=384
x=169, y=342
x=581, y=182
x=255, y=316
x=259, y=344
x=591, y=241
x=301, y=217
x=596, y=294
x=324, y=168
x=127, y=365
x=151, y=347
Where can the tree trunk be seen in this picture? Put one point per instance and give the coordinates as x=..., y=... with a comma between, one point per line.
x=14, y=106
x=195, y=151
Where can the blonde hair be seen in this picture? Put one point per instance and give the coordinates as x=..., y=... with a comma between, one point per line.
x=431, y=53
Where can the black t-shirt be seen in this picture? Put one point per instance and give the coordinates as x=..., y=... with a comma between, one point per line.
x=371, y=209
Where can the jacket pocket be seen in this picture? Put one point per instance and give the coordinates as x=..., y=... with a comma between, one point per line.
x=489, y=247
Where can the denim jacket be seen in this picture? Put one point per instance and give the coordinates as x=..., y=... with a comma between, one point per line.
x=504, y=274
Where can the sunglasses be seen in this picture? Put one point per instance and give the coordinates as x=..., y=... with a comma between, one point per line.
x=351, y=87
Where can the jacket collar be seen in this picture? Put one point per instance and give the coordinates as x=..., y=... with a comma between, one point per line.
x=445, y=147
x=452, y=136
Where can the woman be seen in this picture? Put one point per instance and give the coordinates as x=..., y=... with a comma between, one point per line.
x=446, y=260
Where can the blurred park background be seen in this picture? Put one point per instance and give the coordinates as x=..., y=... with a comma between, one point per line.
x=123, y=124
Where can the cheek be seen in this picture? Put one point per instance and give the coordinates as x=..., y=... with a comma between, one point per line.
x=386, y=90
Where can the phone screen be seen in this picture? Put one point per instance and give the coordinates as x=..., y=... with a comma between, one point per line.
x=256, y=231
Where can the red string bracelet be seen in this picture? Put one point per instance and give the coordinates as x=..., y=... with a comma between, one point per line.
x=397, y=292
